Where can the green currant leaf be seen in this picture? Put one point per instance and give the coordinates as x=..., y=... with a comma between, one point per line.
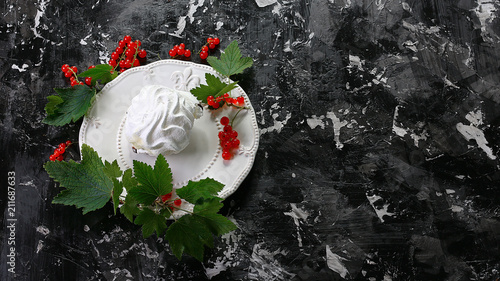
x=128, y=180
x=87, y=185
x=215, y=87
x=103, y=72
x=151, y=222
x=188, y=235
x=152, y=182
x=51, y=106
x=130, y=209
x=71, y=104
x=207, y=214
x=117, y=190
x=112, y=169
x=230, y=61
x=196, y=191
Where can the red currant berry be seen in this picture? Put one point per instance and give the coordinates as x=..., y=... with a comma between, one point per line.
x=187, y=53
x=211, y=45
x=136, y=63
x=72, y=78
x=73, y=83
x=112, y=62
x=222, y=136
x=92, y=66
x=177, y=202
x=122, y=44
x=203, y=55
x=119, y=50
x=172, y=52
x=226, y=154
x=234, y=134
x=122, y=64
x=68, y=143
x=240, y=100
x=180, y=52
x=62, y=145
x=166, y=197
x=129, y=53
x=235, y=143
x=216, y=105
x=204, y=48
x=209, y=40
x=228, y=129
x=216, y=41
x=142, y=54
x=224, y=120
x=138, y=43
x=74, y=69
x=60, y=158
x=132, y=46
x=88, y=80
x=115, y=56
x=68, y=74
x=127, y=38
x=64, y=67
x=182, y=45
x=52, y=157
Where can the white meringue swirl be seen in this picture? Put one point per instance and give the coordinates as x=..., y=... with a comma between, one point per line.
x=160, y=119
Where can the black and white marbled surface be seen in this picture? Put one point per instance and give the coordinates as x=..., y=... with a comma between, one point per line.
x=379, y=139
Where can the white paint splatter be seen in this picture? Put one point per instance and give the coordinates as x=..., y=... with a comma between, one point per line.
x=355, y=62
x=337, y=125
x=277, y=125
x=20, y=69
x=40, y=11
x=456, y=209
x=297, y=215
x=43, y=230
x=381, y=212
x=486, y=13
x=265, y=266
x=265, y=3
x=334, y=262
x=471, y=131
x=218, y=25
x=39, y=247
x=315, y=121
x=400, y=131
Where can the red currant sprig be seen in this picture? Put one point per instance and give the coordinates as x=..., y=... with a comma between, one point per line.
x=171, y=203
x=59, y=151
x=216, y=102
x=127, y=54
x=70, y=72
x=179, y=51
x=228, y=139
x=211, y=44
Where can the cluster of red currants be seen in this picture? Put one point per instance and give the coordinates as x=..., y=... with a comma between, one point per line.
x=216, y=102
x=228, y=139
x=59, y=151
x=127, y=54
x=70, y=72
x=211, y=44
x=179, y=51
x=172, y=204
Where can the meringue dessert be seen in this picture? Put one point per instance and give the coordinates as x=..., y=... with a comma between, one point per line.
x=160, y=119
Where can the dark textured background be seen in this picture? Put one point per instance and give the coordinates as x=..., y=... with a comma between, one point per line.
x=378, y=157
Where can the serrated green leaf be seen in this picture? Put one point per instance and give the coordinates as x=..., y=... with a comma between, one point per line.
x=188, y=235
x=51, y=106
x=152, y=182
x=117, y=191
x=103, y=72
x=75, y=103
x=87, y=186
x=214, y=87
x=207, y=214
x=151, y=222
x=128, y=180
x=130, y=209
x=230, y=61
x=202, y=189
x=112, y=169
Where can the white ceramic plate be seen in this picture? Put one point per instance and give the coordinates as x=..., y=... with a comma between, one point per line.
x=103, y=123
